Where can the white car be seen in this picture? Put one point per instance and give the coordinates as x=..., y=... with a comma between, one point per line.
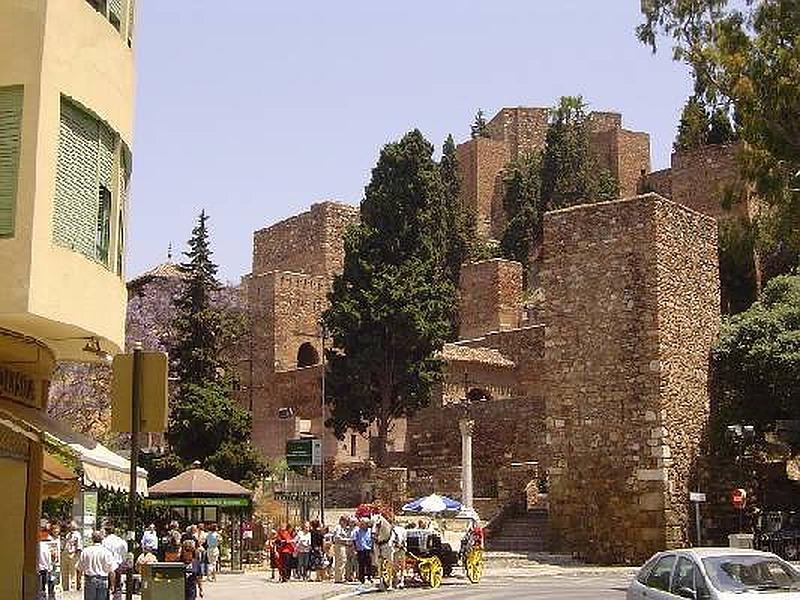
x=715, y=574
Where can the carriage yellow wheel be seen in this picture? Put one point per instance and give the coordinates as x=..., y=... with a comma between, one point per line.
x=436, y=573
x=424, y=568
x=473, y=564
x=386, y=573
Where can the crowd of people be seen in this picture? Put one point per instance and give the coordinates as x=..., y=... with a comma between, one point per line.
x=314, y=552
x=99, y=565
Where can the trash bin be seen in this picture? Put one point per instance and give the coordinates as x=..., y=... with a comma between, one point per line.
x=163, y=581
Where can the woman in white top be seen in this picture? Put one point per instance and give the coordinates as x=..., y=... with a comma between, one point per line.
x=302, y=546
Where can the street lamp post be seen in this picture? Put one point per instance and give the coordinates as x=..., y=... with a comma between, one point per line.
x=323, y=332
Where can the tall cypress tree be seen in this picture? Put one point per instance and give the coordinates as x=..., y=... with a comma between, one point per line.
x=459, y=220
x=523, y=205
x=391, y=306
x=567, y=164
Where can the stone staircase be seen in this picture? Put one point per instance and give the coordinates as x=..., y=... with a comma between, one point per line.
x=523, y=531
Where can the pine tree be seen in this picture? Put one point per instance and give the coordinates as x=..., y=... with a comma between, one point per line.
x=391, y=306
x=196, y=355
x=206, y=423
x=693, y=126
x=606, y=186
x=479, y=128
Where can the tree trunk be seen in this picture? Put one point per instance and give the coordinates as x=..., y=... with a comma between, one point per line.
x=383, y=436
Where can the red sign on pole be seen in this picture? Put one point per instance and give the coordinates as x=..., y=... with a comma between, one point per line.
x=739, y=498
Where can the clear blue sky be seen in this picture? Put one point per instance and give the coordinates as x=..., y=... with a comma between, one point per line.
x=255, y=109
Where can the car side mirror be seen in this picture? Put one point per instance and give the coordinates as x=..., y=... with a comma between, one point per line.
x=685, y=592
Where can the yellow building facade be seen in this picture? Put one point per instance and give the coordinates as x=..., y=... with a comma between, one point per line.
x=66, y=120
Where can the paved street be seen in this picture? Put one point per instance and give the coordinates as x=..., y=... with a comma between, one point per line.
x=608, y=585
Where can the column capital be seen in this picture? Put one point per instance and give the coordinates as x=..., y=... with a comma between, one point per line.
x=467, y=426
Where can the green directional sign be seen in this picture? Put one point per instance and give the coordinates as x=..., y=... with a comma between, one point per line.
x=218, y=501
x=298, y=453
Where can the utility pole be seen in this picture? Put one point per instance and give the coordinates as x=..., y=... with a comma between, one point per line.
x=324, y=335
x=136, y=392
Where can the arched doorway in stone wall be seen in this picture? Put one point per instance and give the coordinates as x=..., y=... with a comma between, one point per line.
x=307, y=355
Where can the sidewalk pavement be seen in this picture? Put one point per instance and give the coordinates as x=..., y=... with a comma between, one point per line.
x=254, y=585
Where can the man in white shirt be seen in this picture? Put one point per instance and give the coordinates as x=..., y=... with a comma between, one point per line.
x=97, y=565
x=73, y=544
x=45, y=562
x=150, y=539
x=119, y=550
x=342, y=546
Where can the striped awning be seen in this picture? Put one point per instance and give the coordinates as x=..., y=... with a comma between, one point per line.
x=96, y=464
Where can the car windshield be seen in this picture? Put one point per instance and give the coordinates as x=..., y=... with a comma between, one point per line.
x=738, y=572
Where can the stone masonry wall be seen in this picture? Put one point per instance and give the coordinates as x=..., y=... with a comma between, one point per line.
x=491, y=297
x=298, y=302
x=293, y=265
x=688, y=324
x=659, y=182
x=701, y=177
x=519, y=130
x=481, y=161
x=522, y=128
x=633, y=160
x=525, y=346
x=626, y=155
x=613, y=329
x=506, y=431
x=310, y=242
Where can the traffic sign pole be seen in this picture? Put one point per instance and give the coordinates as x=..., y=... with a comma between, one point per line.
x=136, y=392
x=696, y=498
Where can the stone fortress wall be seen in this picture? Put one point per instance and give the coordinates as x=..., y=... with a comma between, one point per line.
x=631, y=311
x=294, y=262
x=604, y=385
x=520, y=130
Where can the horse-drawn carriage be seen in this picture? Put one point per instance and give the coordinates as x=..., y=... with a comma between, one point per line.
x=431, y=559
x=425, y=552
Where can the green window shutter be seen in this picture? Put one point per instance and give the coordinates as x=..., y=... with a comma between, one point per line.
x=131, y=11
x=10, y=135
x=106, y=156
x=115, y=13
x=77, y=196
x=121, y=244
x=124, y=183
x=103, y=224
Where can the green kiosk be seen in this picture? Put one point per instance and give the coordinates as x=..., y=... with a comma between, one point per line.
x=197, y=496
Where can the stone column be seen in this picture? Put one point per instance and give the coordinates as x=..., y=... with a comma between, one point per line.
x=467, y=426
